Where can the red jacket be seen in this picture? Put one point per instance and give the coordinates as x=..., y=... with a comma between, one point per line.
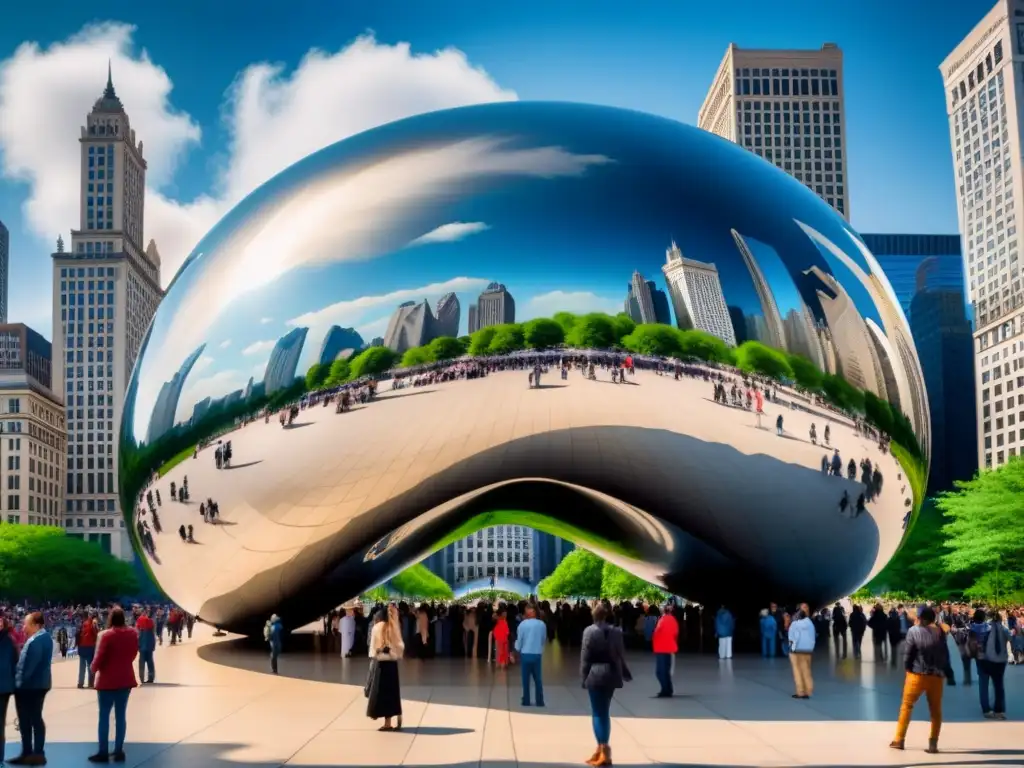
x=143, y=623
x=114, y=663
x=666, y=635
x=87, y=634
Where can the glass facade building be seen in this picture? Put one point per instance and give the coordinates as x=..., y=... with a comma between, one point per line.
x=926, y=273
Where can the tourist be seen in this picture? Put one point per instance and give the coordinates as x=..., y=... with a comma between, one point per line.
x=666, y=644
x=603, y=667
x=32, y=681
x=85, y=641
x=347, y=630
x=469, y=633
x=8, y=671
x=725, y=624
x=858, y=626
x=925, y=659
x=113, y=666
x=801, y=646
x=530, y=639
x=878, y=624
x=769, y=632
x=147, y=647
x=383, y=691
x=839, y=626
x=272, y=633
x=501, y=635
x=988, y=641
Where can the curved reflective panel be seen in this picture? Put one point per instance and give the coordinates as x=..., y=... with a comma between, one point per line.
x=395, y=294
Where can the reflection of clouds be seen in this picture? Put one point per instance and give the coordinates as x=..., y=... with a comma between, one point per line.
x=259, y=346
x=577, y=302
x=449, y=233
x=260, y=369
x=354, y=312
x=327, y=216
x=214, y=386
x=266, y=320
x=225, y=344
x=374, y=329
x=201, y=365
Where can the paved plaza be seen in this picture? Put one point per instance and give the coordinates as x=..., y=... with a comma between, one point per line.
x=215, y=706
x=291, y=488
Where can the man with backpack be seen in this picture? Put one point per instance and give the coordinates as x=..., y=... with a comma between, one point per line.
x=987, y=645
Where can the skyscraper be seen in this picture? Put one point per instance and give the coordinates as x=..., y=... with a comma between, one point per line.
x=773, y=334
x=105, y=292
x=5, y=256
x=786, y=106
x=162, y=420
x=495, y=306
x=336, y=341
x=639, y=301
x=474, y=323
x=926, y=273
x=284, y=361
x=412, y=325
x=984, y=98
x=447, y=315
x=697, y=297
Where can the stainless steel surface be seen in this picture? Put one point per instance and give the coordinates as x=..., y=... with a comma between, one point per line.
x=566, y=208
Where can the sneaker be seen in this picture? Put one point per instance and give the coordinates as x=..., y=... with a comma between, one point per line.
x=99, y=757
x=999, y=715
x=989, y=715
x=119, y=757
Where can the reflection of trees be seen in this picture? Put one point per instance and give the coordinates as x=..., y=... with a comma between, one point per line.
x=583, y=574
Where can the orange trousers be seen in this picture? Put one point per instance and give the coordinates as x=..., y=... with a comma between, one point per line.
x=913, y=687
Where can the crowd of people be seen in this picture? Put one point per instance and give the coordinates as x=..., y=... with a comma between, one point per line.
x=30, y=641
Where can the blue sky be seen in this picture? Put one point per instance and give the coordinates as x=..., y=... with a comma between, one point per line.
x=657, y=58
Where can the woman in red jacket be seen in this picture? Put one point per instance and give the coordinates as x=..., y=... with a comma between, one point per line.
x=666, y=645
x=501, y=636
x=114, y=667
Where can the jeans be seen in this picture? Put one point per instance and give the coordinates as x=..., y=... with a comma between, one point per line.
x=600, y=712
x=85, y=656
x=146, y=664
x=4, y=699
x=274, y=653
x=857, y=639
x=913, y=687
x=663, y=671
x=967, y=669
x=991, y=670
x=530, y=663
x=725, y=647
x=118, y=701
x=768, y=646
x=29, y=706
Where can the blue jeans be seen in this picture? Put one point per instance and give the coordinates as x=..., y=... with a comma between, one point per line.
x=768, y=646
x=146, y=664
x=118, y=700
x=85, y=656
x=663, y=671
x=991, y=670
x=29, y=706
x=600, y=712
x=530, y=664
x=274, y=653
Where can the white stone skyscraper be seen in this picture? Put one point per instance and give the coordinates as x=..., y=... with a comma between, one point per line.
x=697, y=296
x=105, y=292
x=787, y=107
x=984, y=99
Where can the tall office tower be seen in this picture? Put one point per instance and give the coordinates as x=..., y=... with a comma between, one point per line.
x=495, y=306
x=162, y=420
x=412, y=325
x=662, y=314
x=5, y=257
x=984, y=97
x=501, y=551
x=927, y=274
x=447, y=315
x=105, y=292
x=639, y=301
x=33, y=438
x=284, y=361
x=772, y=333
x=787, y=107
x=336, y=341
x=474, y=323
x=697, y=296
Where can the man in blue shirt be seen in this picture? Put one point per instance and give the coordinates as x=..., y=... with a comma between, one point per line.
x=530, y=640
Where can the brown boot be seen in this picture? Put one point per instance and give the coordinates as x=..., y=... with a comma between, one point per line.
x=605, y=757
x=933, y=746
x=592, y=760
x=896, y=744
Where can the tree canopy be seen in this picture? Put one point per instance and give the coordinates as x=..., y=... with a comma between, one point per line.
x=372, y=361
x=418, y=581
x=42, y=563
x=755, y=357
x=316, y=376
x=542, y=333
x=583, y=574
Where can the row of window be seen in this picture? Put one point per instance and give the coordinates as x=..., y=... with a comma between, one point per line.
x=977, y=75
x=469, y=572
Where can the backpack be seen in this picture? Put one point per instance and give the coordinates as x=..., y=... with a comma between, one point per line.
x=266, y=632
x=974, y=649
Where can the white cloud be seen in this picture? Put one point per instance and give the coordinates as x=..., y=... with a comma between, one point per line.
x=259, y=369
x=259, y=346
x=577, y=302
x=266, y=320
x=225, y=344
x=201, y=365
x=449, y=233
x=213, y=386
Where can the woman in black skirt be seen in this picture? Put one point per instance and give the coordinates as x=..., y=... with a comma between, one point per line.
x=384, y=694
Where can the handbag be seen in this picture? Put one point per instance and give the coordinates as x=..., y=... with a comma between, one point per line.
x=369, y=678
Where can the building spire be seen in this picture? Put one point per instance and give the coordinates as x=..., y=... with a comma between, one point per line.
x=108, y=92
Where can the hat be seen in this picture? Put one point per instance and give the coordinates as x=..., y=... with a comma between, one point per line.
x=275, y=617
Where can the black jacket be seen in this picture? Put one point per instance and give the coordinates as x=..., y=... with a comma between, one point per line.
x=602, y=658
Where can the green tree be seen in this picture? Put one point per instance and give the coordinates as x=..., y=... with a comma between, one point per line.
x=593, y=331
x=418, y=581
x=619, y=584
x=755, y=357
x=565, y=319
x=842, y=394
x=508, y=337
x=287, y=395
x=480, y=341
x=542, y=333
x=984, y=520
x=704, y=346
x=40, y=563
x=805, y=373
x=578, y=575
x=623, y=325
x=316, y=376
x=446, y=348
x=372, y=361
x=417, y=356
x=878, y=412
x=654, y=339
x=338, y=374
x=998, y=588
x=465, y=341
